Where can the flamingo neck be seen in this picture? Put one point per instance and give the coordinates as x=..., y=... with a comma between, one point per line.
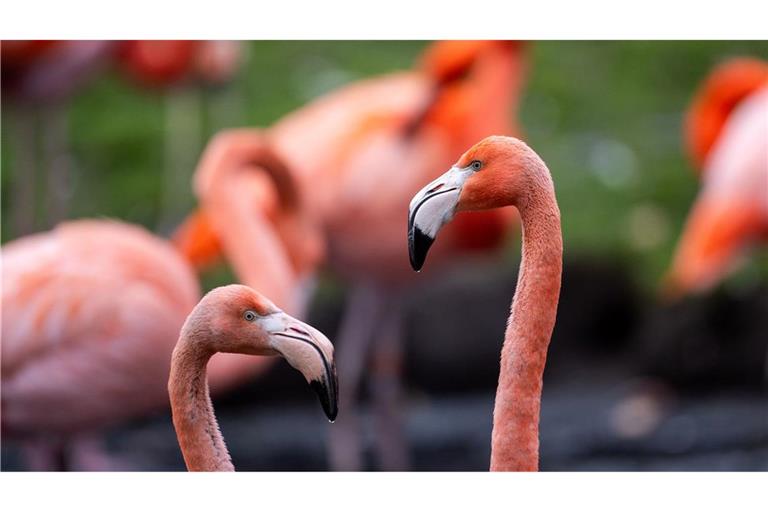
x=515, y=437
x=251, y=240
x=500, y=76
x=200, y=439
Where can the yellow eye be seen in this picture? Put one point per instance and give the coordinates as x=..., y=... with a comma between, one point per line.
x=249, y=315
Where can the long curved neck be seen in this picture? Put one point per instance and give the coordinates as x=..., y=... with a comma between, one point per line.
x=200, y=439
x=515, y=438
x=242, y=185
x=251, y=241
x=498, y=83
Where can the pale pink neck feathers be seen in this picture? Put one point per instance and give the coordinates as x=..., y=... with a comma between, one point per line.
x=200, y=439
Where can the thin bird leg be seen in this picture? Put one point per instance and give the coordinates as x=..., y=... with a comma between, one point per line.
x=55, y=139
x=182, y=143
x=363, y=309
x=22, y=128
x=45, y=455
x=89, y=453
x=386, y=387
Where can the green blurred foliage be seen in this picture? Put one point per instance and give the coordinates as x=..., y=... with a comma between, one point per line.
x=606, y=116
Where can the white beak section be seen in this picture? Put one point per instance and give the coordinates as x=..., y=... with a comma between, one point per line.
x=430, y=209
x=434, y=205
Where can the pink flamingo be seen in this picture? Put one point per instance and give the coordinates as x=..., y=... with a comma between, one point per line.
x=236, y=319
x=496, y=172
x=727, y=135
x=78, y=356
x=380, y=139
x=90, y=313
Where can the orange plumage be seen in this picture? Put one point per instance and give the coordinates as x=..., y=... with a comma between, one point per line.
x=725, y=88
x=727, y=134
x=380, y=138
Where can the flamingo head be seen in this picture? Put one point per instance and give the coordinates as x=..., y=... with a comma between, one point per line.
x=722, y=91
x=237, y=319
x=490, y=175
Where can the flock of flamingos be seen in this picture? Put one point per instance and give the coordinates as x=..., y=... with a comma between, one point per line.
x=93, y=309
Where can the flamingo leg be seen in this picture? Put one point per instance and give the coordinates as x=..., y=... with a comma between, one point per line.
x=88, y=453
x=363, y=309
x=84, y=452
x=59, y=163
x=23, y=132
x=182, y=142
x=45, y=455
x=386, y=388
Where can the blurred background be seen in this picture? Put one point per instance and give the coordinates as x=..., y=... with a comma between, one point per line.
x=633, y=381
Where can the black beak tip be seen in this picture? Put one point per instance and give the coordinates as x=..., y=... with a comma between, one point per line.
x=418, y=247
x=327, y=393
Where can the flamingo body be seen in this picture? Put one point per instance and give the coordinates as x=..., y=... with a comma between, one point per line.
x=89, y=310
x=357, y=173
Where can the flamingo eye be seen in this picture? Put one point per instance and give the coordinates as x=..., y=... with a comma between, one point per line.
x=249, y=315
x=476, y=165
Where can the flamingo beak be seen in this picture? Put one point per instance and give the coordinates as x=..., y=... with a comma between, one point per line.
x=430, y=209
x=309, y=351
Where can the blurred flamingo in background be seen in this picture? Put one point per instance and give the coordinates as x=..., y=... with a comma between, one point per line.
x=258, y=224
x=498, y=172
x=727, y=137
x=91, y=311
x=90, y=314
x=40, y=78
x=359, y=154
x=237, y=319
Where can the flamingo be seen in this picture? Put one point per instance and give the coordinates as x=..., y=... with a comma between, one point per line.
x=90, y=314
x=77, y=357
x=502, y=171
x=380, y=138
x=727, y=137
x=236, y=319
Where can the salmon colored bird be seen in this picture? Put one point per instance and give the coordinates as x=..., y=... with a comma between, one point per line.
x=236, y=319
x=498, y=172
x=90, y=314
x=380, y=137
x=727, y=137
x=91, y=311
x=358, y=154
